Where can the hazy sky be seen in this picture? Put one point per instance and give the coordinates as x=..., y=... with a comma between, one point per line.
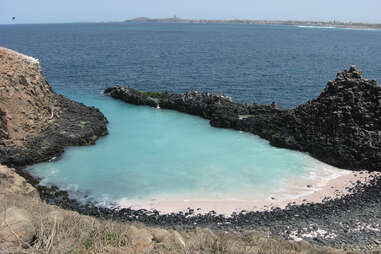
x=46, y=11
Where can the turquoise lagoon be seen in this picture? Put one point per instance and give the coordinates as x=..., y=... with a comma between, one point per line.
x=156, y=154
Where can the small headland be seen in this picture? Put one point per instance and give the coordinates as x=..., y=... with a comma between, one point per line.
x=340, y=127
x=36, y=124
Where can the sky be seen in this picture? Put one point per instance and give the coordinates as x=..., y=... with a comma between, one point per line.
x=58, y=11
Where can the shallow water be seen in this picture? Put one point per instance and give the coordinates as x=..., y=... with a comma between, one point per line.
x=154, y=154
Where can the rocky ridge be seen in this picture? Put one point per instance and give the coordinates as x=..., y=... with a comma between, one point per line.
x=36, y=123
x=341, y=127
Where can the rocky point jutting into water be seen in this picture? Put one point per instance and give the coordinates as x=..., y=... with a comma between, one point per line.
x=341, y=127
x=36, y=123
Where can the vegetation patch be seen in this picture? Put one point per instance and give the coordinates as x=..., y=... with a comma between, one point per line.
x=154, y=95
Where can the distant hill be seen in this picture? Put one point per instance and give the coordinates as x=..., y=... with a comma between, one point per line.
x=336, y=24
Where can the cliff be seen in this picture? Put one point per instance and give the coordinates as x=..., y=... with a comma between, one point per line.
x=341, y=127
x=36, y=123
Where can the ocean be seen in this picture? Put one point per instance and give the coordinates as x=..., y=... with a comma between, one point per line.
x=154, y=154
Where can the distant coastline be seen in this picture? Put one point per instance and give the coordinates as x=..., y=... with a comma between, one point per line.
x=331, y=24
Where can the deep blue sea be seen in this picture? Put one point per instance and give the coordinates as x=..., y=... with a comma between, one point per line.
x=154, y=154
x=263, y=63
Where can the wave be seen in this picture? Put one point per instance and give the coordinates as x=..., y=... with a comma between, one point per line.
x=346, y=28
x=319, y=176
x=319, y=27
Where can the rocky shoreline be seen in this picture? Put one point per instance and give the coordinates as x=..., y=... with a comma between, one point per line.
x=340, y=127
x=350, y=221
x=38, y=227
x=36, y=125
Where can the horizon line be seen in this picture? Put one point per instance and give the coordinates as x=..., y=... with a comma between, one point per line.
x=334, y=21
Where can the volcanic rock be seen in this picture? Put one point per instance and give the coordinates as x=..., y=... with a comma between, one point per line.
x=341, y=127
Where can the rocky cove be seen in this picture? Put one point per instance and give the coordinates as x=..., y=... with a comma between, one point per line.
x=339, y=127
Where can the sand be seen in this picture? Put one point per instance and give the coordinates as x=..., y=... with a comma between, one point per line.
x=314, y=191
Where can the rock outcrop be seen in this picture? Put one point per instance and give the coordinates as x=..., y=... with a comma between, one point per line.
x=16, y=226
x=36, y=123
x=341, y=127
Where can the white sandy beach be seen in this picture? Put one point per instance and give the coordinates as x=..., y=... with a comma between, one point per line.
x=329, y=185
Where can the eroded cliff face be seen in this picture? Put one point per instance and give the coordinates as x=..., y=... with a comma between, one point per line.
x=25, y=96
x=36, y=123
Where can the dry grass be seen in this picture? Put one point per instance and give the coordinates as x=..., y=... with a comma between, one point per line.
x=60, y=231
